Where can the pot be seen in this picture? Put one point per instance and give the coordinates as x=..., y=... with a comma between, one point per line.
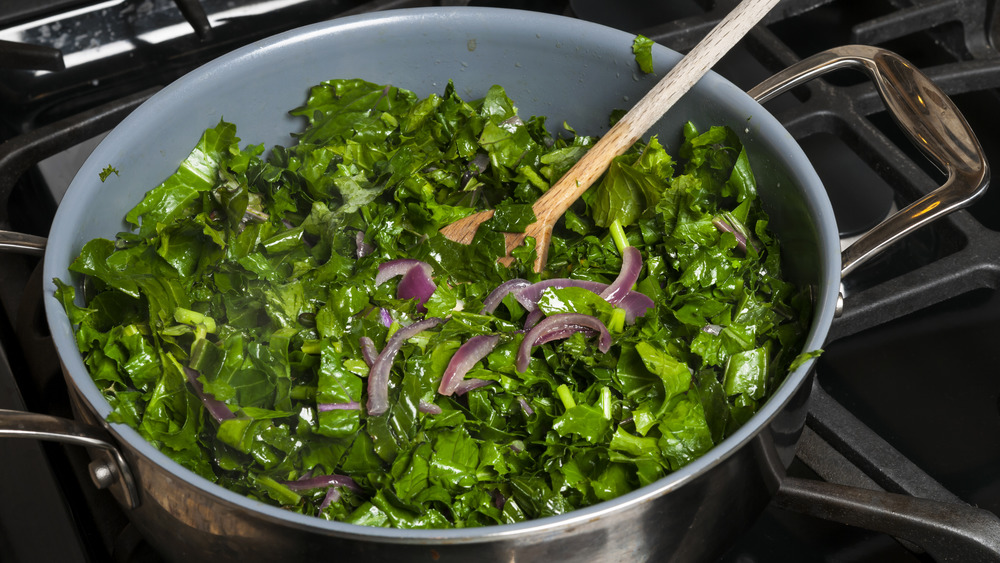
x=568, y=70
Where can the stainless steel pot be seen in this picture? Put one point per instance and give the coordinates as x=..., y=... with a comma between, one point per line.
x=568, y=70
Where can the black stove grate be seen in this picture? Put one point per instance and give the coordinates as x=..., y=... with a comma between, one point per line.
x=947, y=271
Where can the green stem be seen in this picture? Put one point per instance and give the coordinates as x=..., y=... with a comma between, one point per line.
x=312, y=347
x=395, y=326
x=566, y=396
x=303, y=393
x=616, y=323
x=194, y=318
x=606, y=402
x=618, y=235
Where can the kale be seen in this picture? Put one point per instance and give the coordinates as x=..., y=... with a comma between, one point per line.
x=642, y=48
x=255, y=275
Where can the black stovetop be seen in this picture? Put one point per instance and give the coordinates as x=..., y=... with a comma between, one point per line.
x=913, y=358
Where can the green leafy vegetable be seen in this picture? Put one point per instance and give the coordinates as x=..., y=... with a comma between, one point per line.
x=108, y=171
x=255, y=277
x=642, y=48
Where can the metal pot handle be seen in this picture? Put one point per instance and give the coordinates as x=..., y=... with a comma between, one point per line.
x=929, y=119
x=18, y=424
x=946, y=531
x=22, y=243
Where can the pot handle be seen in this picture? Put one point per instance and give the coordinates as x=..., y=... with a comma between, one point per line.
x=927, y=116
x=946, y=531
x=18, y=424
x=22, y=243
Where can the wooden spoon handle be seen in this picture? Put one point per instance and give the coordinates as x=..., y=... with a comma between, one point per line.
x=651, y=108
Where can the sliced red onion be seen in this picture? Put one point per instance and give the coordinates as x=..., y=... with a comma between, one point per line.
x=332, y=495
x=368, y=350
x=470, y=384
x=348, y=406
x=634, y=303
x=723, y=226
x=363, y=248
x=467, y=355
x=528, y=296
x=631, y=265
x=392, y=268
x=215, y=407
x=498, y=499
x=524, y=405
x=333, y=482
x=563, y=334
x=496, y=296
x=563, y=325
x=417, y=284
x=385, y=316
x=321, y=481
x=378, y=376
x=428, y=407
x=532, y=319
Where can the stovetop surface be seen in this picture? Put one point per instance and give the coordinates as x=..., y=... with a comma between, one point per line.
x=921, y=375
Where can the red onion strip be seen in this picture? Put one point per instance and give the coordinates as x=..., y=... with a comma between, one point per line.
x=532, y=319
x=524, y=405
x=392, y=268
x=631, y=265
x=634, y=303
x=368, y=350
x=417, y=284
x=725, y=227
x=467, y=385
x=215, y=407
x=385, y=316
x=564, y=325
x=427, y=407
x=322, y=481
x=496, y=296
x=563, y=334
x=334, y=482
x=378, y=376
x=498, y=499
x=332, y=495
x=528, y=296
x=363, y=248
x=467, y=355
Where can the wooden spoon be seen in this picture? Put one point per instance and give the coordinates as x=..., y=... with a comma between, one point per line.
x=551, y=206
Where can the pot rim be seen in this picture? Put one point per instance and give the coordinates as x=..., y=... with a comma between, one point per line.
x=60, y=253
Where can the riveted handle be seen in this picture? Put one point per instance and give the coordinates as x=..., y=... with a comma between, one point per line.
x=18, y=424
x=928, y=117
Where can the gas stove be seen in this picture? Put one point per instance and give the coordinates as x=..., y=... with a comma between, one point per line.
x=905, y=398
